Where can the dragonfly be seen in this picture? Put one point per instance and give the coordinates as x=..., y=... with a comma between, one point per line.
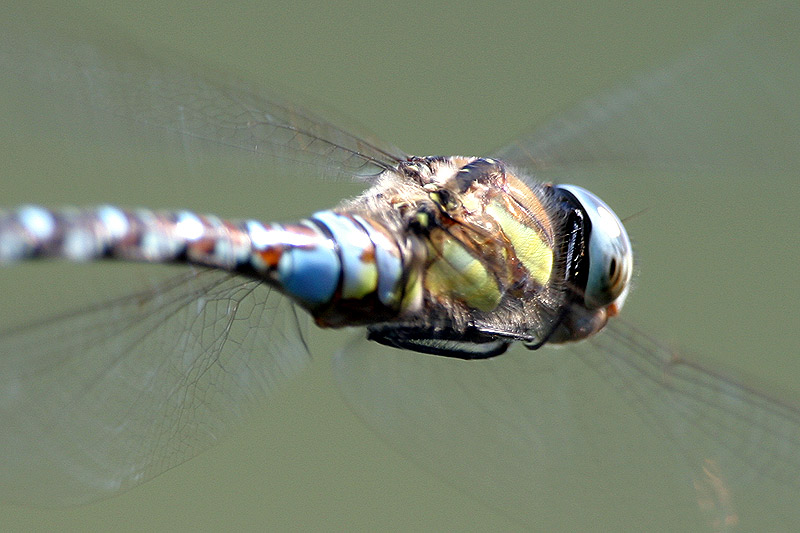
x=443, y=262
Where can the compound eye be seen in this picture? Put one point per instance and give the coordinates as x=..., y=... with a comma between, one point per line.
x=613, y=272
x=610, y=252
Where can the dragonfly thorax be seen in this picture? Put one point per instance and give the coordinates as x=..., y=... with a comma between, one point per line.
x=487, y=266
x=498, y=257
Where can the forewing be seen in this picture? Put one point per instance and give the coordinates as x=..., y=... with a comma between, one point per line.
x=615, y=432
x=733, y=104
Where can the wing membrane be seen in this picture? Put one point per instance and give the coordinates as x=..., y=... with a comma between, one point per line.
x=97, y=401
x=533, y=432
x=731, y=105
x=115, y=78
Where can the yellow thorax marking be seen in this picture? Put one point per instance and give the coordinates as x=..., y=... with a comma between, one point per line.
x=455, y=272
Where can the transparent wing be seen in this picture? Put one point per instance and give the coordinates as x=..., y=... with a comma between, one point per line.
x=731, y=105
x=95, y=402
x=112, y=77
x=547, y=433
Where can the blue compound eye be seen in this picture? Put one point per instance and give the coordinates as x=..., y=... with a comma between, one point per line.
x=610, y=253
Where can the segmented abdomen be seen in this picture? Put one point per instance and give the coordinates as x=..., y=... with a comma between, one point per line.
x=343, y=268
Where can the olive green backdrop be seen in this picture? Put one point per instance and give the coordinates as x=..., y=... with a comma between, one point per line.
x=433, y=78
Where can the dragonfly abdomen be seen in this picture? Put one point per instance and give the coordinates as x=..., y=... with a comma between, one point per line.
x=373, y=271
x=107, y=232
x=342, y=268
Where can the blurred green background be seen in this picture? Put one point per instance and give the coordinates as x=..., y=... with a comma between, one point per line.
x=432, y=78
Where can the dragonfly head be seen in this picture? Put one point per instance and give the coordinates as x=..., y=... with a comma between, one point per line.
x=609, y=252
